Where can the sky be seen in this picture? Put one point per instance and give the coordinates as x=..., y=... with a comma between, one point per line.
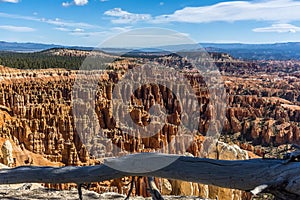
x=91, y=22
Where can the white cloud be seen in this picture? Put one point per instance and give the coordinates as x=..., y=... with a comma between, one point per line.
x=104, y=0
x=161, y=3
x=263, y=10
x=124, y=17
x=80, y=2
x=16, y=28
x=13, y=16
x=75, y=2
x=116, y=12
x=66, y=4
x=78, y=30
x=279, y=28
x=88, y=34
x=60, y=22
x=10, y=1
x=121, y=29
x=57, y=21
x=62, y=29
x=279, y=11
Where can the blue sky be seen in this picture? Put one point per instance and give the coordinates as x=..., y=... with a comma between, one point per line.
x=89, y=22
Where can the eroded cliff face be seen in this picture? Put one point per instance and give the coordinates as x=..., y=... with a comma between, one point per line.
x=38, y=116
x=264, y=110
x=43, y=121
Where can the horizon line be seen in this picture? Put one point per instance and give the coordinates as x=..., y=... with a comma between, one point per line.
x=198, y=43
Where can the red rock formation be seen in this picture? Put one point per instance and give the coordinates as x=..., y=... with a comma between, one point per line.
x=262, y=109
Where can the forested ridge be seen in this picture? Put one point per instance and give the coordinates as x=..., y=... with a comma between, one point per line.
x=39, y=60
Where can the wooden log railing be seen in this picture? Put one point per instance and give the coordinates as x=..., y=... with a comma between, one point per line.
x=280, y=177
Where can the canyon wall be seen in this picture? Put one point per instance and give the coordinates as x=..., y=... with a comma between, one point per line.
x=39, y=114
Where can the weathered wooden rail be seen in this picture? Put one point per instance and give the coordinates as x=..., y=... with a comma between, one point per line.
x=279, y=177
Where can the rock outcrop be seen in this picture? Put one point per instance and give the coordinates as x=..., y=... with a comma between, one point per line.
x=221, y=151
x=7, y=154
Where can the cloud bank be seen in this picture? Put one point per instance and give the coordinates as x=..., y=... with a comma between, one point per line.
x=231, y=11
x=279, y=11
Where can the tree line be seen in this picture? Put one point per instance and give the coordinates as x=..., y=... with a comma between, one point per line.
x=39, y=60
